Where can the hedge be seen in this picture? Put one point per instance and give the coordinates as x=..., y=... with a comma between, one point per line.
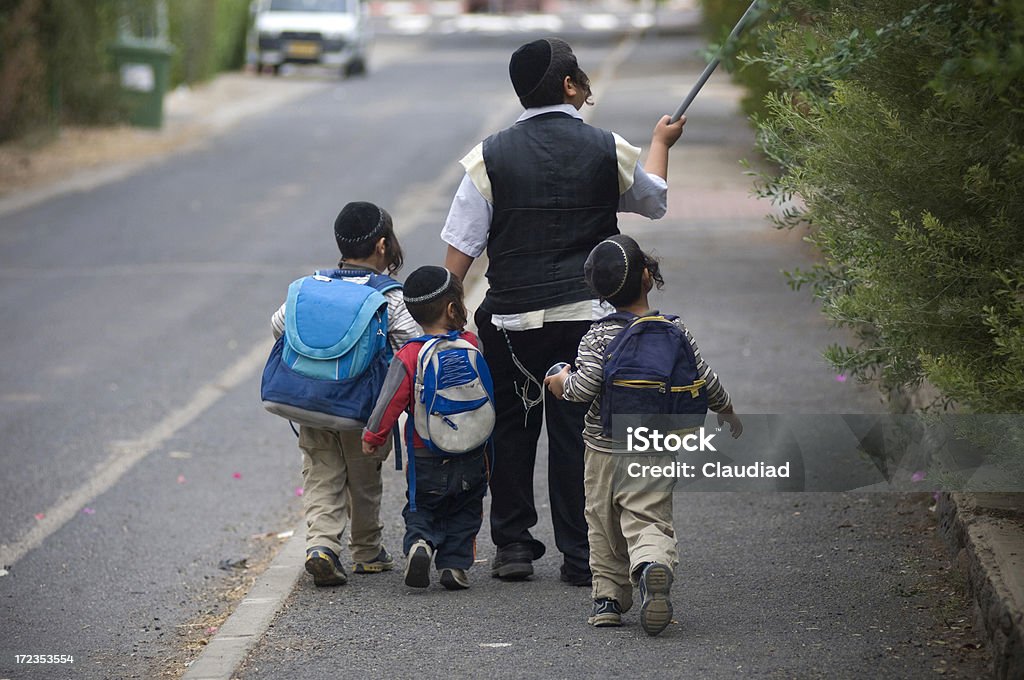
x=897, y=125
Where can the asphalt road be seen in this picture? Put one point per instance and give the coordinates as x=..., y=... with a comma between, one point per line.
x=134, y=456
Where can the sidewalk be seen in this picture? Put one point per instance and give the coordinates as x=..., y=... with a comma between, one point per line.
x=771, y=585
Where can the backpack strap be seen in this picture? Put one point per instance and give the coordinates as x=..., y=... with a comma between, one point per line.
x=382, y=283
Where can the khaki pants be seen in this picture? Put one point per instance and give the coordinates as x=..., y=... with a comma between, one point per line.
x=341, y=484
x=629, y=523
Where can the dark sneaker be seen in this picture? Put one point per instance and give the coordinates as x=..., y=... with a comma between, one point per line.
x=574, y=577
x=454, y=579
x=382, y=562
x=655, y=607
x=325, y=567
x=607, y=614
x=513, y=562
x=417, y=565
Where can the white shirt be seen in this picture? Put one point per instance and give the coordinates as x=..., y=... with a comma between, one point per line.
x=469, y=218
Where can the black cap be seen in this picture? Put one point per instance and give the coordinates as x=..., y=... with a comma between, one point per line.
x=528, y=66
x=615, y=267
x=357, y=222
x=426, y=284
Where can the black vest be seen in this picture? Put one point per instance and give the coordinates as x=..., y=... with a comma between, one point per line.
x=555, y=185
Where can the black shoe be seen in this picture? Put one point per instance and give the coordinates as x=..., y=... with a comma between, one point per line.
x=607, y=614
x=513, y=562
x=325, y=567
x=574, y=577
x=454, y=579
x=417, y=565
x=655, y=607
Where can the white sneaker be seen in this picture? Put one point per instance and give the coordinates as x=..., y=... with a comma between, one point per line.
x=417, y=565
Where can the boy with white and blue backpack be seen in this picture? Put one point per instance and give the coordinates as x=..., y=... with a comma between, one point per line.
x=336, y=334
x=635, y=361
x=441, y=381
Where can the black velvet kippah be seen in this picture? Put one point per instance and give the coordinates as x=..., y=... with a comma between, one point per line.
x=426, y=284
x=614, y=265
x=528, y=66
x=358, y=221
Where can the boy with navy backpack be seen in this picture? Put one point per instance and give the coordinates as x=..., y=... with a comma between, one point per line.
x=442, y=382
x=335, y=335
x=635, y=361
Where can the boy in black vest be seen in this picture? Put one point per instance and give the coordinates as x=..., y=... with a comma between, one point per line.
x=538, y=196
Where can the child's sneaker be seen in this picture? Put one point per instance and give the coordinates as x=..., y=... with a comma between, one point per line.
x=325, y=567
x=607, y=613
x=417, y=565
x=454, y=579
x=382, y=562
x=655, y=608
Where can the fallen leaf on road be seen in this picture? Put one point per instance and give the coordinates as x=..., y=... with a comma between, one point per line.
x=88, y=511
x=841, y=378
x=237, y=475
x=286, y=534
x=40, y=515
x=181, y=479
x=299, y=491
x=234, y=563
x=179, y=455
x=211, y=630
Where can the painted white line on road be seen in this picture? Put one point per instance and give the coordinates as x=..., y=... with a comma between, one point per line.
x=127, y=454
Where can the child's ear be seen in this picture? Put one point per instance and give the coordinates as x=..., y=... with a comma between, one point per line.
x=646, y=282
x=382, y=246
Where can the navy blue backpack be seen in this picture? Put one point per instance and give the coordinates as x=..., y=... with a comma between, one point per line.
x=328, y=367
x=650, y=369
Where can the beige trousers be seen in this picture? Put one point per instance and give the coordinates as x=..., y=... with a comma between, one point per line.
x=341, y=484
x=629, y=523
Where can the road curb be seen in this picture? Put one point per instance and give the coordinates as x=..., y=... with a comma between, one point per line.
x=985, y=534
x=245, y=627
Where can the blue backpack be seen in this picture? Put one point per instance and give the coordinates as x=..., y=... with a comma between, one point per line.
x=453, y=400
x=328, y=367
x=650, y=369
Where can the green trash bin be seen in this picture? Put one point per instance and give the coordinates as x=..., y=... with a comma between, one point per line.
x=143, y=70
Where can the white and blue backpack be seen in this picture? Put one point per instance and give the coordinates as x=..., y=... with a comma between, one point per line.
x=453, y=400
x=328, y=367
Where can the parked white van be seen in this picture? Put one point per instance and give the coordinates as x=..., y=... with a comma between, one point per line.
x=329, y=32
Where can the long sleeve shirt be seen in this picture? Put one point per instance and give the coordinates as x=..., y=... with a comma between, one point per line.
x=396, y=397
x=585, y=381
x=469, y=219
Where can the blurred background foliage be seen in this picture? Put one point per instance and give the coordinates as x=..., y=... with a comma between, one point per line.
x=896, y=131
x=55, y=65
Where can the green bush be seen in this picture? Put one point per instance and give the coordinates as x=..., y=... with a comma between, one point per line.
x=55, y=64
x=898, y=126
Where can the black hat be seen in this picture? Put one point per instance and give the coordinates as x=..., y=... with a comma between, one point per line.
x=426, y=284
x=357, y=222
x=615, y=267
x=528, y=66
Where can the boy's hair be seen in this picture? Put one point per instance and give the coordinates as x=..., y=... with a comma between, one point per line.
x=357, y=229
x=429, y=290
x=615, y=270
x=538, y=70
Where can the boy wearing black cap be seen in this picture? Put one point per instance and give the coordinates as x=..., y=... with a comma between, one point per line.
x=632, y=538
x=340, y=485
x=537, y=197
x=444, y=506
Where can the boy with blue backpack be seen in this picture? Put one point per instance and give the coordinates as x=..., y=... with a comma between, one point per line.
x=635, y=361
x=441, y=381
x=335, y=334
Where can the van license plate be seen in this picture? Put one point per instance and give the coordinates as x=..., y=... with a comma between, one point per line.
x=303, y=49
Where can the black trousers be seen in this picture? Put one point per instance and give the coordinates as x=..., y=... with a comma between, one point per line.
x=513, y=511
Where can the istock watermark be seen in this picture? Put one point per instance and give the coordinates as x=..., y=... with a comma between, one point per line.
x=823, y=452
